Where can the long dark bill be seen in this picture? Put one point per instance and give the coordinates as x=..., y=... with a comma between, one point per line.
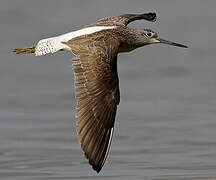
x=171, y=43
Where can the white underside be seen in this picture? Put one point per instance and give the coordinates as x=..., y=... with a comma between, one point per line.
x=53, y=44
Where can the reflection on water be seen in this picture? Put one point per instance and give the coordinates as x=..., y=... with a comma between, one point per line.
x=165, y=126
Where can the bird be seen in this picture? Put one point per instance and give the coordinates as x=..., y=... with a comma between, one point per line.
x=96, y=47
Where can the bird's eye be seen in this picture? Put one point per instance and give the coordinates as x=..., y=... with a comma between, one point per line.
x=149, y=34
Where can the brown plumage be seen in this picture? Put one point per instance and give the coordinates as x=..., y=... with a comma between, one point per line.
x=97, y=87
x=97, y=92
x=96, y=77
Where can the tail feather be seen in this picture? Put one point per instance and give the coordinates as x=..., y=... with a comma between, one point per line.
x=25, y=50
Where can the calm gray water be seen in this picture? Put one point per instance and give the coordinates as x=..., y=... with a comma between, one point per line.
x=166, y=122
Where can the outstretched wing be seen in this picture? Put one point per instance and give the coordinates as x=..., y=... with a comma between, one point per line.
x=124, y=19
x=97, y=93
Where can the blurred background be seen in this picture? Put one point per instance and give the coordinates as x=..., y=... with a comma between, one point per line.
x=166, y=121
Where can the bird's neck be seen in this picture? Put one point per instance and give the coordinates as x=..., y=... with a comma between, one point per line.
x=130, y=40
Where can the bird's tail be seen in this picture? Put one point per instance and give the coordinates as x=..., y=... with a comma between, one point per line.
x=25, y=50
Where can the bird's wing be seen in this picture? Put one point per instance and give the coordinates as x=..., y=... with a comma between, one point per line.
x=97, y=93
x=124, y=19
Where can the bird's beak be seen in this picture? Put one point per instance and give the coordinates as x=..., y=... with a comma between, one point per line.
x=159, y=40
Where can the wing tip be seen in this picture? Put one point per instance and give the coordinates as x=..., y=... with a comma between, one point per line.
x=97, y=168
x=151, y=16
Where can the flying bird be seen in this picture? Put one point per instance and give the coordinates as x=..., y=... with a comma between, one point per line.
x=96, y=47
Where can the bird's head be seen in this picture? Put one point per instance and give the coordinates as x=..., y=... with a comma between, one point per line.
x=147, y=36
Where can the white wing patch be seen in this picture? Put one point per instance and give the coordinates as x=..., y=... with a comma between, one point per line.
x=109, y=144
x=53, y=44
